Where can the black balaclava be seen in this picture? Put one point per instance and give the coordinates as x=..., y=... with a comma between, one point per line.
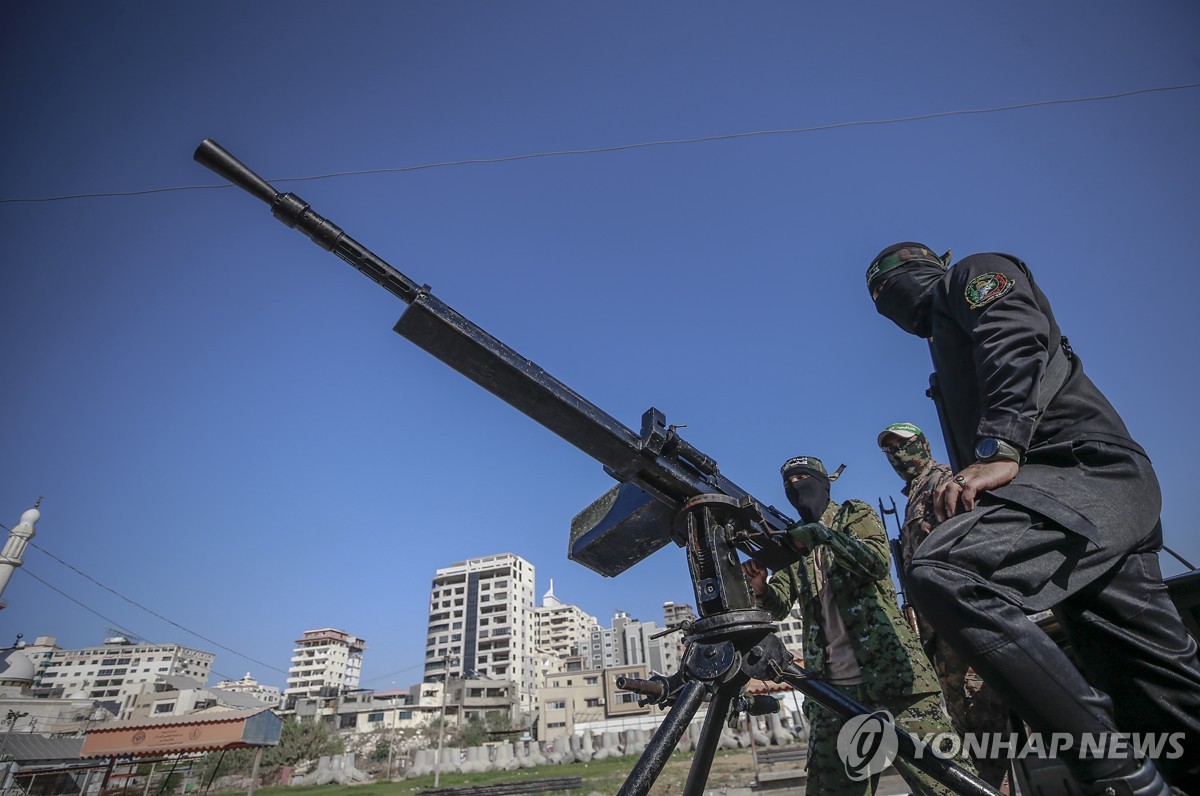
x=809, y=496
x=909, y=272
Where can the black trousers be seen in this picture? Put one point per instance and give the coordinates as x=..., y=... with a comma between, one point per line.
x=978, y=577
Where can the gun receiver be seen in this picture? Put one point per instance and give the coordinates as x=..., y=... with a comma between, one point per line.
x=657, y=470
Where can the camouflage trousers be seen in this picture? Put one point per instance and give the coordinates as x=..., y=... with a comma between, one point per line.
x=916, y=714
x=973, y=705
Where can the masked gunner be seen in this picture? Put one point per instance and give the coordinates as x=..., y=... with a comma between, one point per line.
x=855, y=637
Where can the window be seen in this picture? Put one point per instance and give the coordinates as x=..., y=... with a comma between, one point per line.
x=557, y=704
x=591, y=680
x=164, y=707
x=375, y=717
x=555, y=724
x=593, y=702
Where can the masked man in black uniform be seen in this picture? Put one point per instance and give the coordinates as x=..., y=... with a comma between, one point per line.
x=1053, y=505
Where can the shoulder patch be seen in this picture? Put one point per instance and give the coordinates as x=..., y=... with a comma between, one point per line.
x=986, y=288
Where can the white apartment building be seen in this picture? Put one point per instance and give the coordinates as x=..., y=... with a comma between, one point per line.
x=562, y=630
x=118, y=671
x=481, y=623
x=791, y=633
x=267, y=694
x=324, y=662
x=675, y=614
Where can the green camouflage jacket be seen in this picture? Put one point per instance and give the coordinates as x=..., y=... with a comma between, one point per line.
x=888, y=652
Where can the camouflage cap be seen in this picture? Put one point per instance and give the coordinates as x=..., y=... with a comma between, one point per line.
x=899, y=254
x=810, y=465
x=904, y=431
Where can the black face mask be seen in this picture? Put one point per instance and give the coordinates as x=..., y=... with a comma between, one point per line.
x=906, y=299
x=809, y=496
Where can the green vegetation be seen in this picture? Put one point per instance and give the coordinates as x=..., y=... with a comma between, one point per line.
x=299, y=741
x=730, y=768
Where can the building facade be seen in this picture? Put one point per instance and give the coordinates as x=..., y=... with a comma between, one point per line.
x=560, y=629
x=324, y=662
x=116, y=672
x=588, y=697
x=481, y=623
x=677, y=615
x=267, y=694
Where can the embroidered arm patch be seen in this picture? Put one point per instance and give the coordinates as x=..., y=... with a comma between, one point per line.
x=986, y=288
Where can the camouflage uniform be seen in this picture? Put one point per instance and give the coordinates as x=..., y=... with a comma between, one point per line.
x=896, y=675
x=974, y=706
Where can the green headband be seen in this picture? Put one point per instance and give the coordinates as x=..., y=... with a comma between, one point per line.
x=904, y=256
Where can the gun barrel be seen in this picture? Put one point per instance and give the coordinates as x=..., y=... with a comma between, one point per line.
x=213, y=156
x=653, y=689
x=295, y=212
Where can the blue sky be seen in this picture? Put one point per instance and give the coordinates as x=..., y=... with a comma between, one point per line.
x=226, y=430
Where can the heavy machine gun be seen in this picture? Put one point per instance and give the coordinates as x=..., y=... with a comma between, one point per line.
x=666, y=491
x=657, y=470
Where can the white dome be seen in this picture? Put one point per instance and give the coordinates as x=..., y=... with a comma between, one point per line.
x=15, y=665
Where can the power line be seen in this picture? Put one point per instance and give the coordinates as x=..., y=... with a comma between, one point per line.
x=117, y=625
x=392, y=674
x=77, y=571
x=623, y=147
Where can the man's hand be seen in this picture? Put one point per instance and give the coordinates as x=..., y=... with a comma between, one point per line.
x=805, y=536
x=967, y=485
x=757, y=577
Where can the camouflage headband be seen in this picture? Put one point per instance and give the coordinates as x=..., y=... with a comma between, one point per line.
x=810, y=465
x=909, y=254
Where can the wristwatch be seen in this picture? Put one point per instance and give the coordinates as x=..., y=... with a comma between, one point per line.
x=991, y=449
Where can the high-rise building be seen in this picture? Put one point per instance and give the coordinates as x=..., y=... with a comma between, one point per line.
x=481, y=623
x=602, y=652
x=633, y=643
x=117, y=671
x=675, y=615
x=325, y=662
x=562, y=630
x=791, y=633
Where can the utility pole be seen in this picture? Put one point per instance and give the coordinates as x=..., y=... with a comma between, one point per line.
x=437, y=761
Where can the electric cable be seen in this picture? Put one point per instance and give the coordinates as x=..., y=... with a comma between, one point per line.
x=623, y=147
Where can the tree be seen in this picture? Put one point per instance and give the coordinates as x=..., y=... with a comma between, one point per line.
x=298, y=741
x=477, y=732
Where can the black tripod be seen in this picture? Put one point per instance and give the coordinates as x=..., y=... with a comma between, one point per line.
x=732, y=642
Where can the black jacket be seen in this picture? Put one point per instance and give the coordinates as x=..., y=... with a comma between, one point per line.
x=993, y=335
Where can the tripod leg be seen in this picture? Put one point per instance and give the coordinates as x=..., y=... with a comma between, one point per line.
x=665, y=739
x=922, y=758
x=710, y=736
